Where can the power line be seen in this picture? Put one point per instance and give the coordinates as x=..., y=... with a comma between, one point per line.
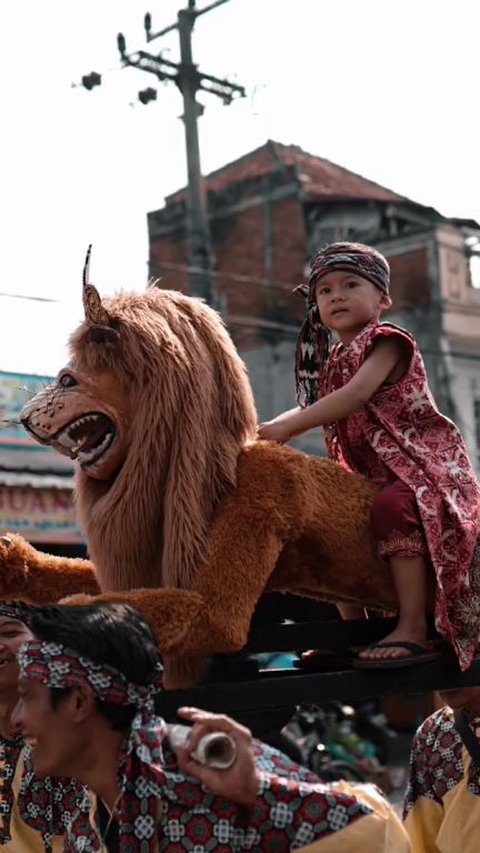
x=231, y=276
x=29, y=298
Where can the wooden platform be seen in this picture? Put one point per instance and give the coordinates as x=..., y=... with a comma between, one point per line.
x=241, y=689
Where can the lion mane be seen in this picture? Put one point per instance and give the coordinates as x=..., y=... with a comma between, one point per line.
x=190, y=410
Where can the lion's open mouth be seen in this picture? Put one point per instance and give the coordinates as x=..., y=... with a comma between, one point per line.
x=86, y=439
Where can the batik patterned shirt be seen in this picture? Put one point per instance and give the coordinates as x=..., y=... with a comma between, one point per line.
x=293, y=811
x=442, y=802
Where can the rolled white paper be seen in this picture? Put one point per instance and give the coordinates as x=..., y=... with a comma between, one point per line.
x=216, y=749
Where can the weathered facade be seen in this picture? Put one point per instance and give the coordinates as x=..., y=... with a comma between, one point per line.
x=269, y=211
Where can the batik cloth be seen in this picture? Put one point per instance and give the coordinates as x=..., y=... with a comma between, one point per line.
x=395, y=522
x=17, y=610
x=400, y=435
x=293, y=811
x=315, y=341
x=161, y=809
x=33, y=812
x=442, y=801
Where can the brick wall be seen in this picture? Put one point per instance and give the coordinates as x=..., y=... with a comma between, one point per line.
x=410, y=279
x=263, y=242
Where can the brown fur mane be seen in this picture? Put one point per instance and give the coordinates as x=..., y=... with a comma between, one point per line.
x=191, y=411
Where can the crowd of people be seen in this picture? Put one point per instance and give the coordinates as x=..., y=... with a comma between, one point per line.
x=87, y=765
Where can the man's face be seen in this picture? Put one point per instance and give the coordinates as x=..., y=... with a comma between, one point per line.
x=57, y=741
x=12, y=634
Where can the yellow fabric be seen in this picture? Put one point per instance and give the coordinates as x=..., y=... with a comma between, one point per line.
x=450, y=827
x=25, y=839
x=380, y=832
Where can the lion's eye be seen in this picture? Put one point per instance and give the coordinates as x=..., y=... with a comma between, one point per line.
x=67, y=381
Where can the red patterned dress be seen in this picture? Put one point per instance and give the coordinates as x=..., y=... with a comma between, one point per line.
x=400, y=440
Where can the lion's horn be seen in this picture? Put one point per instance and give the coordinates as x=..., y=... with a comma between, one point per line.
x=95, y=313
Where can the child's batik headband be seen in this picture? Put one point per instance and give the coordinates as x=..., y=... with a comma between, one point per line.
x=314, y=341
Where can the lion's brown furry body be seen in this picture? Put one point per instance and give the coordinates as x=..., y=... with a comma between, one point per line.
x=194, y=505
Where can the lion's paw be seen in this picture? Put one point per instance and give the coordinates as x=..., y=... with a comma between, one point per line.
x=79, y=598
x=15, y=558
x=171, y=613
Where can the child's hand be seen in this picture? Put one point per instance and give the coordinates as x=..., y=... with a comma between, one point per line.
x=274, y=431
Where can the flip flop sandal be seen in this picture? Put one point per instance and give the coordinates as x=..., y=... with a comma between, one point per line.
x=419, y=655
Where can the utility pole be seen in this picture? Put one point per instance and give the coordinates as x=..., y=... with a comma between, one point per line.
x=189, y=80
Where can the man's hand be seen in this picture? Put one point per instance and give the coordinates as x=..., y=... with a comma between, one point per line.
x=240, y=782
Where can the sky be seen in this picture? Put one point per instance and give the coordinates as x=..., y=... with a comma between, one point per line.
x=386, y=89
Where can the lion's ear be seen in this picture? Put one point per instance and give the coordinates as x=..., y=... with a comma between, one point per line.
x=99, y=334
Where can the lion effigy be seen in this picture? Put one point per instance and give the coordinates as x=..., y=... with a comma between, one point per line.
x=186, y=515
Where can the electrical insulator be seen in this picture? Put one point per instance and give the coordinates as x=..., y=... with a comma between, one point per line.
x=91, y=80
x=147, y=95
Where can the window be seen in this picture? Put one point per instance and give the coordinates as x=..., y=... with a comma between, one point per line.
x=473, y=253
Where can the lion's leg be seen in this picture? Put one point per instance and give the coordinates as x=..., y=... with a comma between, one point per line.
x=41, y=578
x=231, y=581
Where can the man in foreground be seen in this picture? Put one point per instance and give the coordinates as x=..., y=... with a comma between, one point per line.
x=442, y=801
x=87, y=683
x=33, y=811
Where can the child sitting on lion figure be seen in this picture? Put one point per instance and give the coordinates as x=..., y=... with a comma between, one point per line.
x=370, y=392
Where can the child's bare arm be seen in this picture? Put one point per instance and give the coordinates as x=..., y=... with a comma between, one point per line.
x=385, y=357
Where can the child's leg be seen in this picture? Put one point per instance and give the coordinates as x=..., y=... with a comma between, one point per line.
x=410, y=579
x=396, y=526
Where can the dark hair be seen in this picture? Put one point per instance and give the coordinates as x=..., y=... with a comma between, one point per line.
x=108, y=633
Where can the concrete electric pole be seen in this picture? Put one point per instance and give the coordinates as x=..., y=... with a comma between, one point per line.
x=189, y=80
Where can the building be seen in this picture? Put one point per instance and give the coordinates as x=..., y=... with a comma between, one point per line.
x=270, y=210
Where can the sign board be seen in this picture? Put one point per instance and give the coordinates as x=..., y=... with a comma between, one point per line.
x=40, y=515
x=18, y=451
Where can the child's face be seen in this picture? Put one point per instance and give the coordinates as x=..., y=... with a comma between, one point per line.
x=347, y=302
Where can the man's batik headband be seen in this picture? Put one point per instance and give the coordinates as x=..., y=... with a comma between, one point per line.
x=16, y=610
x=55, y=665
x=314, y=340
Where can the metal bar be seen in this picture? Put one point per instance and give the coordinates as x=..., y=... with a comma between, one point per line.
x=160, y=59
x=283, y=690
x=199, y=12
x=152, y=36
x=333, y=633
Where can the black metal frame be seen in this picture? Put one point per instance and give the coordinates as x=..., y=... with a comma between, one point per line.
x=260, y=697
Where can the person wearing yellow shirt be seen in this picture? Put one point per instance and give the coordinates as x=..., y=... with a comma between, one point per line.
x=442, y=800
x=33, y=811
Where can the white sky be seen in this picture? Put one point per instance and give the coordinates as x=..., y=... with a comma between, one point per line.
x=387, y=89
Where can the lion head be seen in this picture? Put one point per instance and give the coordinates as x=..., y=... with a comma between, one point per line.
x=154, y=407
